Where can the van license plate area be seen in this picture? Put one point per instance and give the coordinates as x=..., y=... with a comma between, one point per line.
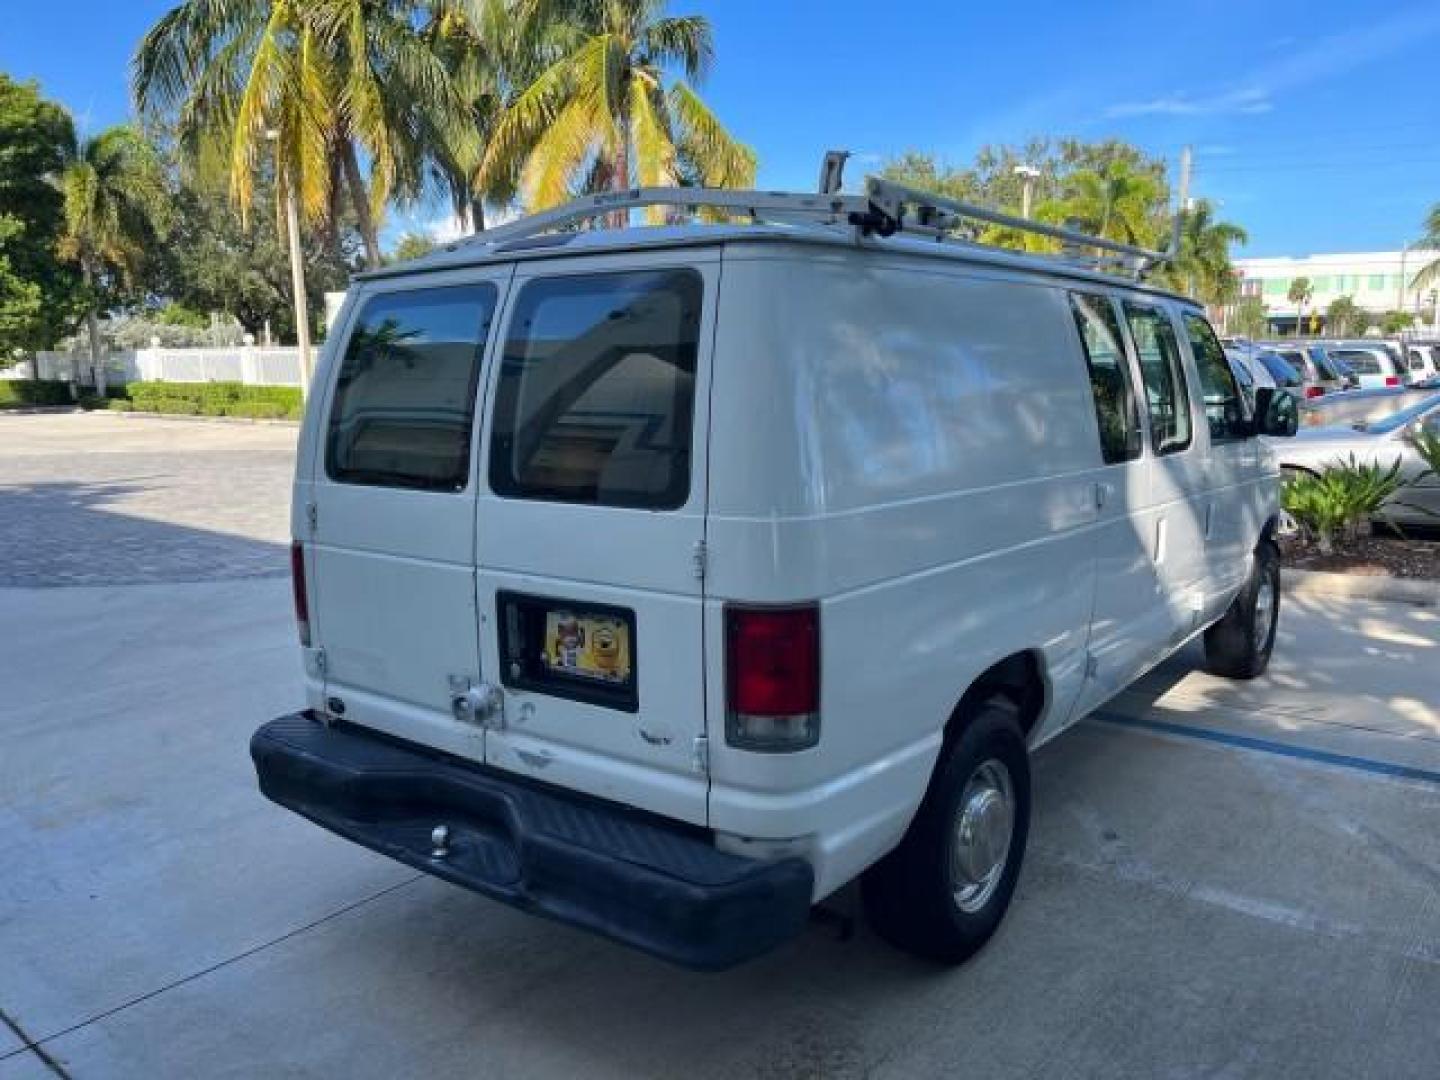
x=569, y=649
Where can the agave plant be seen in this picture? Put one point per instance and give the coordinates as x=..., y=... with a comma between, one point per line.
x=1336, y=502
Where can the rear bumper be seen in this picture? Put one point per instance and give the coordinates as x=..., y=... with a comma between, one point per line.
x=640, y=880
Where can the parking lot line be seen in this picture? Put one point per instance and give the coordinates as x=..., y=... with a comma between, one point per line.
x=1268, y=746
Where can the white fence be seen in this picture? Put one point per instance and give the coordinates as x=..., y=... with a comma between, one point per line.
x=248, y=364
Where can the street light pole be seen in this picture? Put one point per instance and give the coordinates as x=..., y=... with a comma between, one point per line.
x=1028, y=175
x=297, y=270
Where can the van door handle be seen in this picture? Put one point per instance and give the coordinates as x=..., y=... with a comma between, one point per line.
x=1103, y=491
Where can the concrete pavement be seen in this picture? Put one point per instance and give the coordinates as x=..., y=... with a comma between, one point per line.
x=1190, y=906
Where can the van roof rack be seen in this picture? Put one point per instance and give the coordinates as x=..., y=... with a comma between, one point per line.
x=885, y=209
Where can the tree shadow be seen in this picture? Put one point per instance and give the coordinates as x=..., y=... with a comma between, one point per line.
x=71, y=533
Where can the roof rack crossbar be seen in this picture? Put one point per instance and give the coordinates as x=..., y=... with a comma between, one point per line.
x=880, y=211
x=756, y=204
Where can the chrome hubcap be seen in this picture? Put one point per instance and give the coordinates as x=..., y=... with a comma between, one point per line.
x=984, y=827
x=1264, y=611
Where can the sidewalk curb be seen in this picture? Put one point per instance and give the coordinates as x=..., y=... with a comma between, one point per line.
x=187, y=418
x=41, y=410
x=1360, y=587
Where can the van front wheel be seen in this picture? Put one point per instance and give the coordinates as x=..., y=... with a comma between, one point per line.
x=943, y=891
x=1239, y=645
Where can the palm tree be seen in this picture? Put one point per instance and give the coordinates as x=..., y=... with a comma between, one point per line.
x=312, y=82
x=601, y=116
x=115, y=211
x=1300, y=293
x=1115, y=202
x=1429, y=274
x=1202, y=265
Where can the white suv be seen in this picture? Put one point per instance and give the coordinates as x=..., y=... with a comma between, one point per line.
x=664, y=580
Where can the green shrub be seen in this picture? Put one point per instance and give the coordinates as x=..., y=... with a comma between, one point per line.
x=216, y=399
x=1338, y=501
x=20, y=393
x=1426, y=442
x=121, y=405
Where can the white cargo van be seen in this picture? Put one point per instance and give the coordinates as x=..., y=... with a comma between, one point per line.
x=663, y=580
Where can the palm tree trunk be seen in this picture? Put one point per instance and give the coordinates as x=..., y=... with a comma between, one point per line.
x=92, y=325
x=361, y=200
x=477, y=215
x=620, y=173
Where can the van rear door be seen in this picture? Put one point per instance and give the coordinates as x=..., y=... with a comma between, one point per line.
x=592, y=524
x=392, y=500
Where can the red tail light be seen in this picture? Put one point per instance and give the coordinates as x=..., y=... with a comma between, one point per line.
x=1314, y=391
x=772, y=678
x=302, y=597
x=1392, y=380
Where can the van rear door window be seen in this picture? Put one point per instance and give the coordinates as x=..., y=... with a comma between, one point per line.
x=1160, y=367
x=596, y=396
x=405, y=395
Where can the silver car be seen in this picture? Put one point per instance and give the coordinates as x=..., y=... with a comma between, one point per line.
x=1377, y=442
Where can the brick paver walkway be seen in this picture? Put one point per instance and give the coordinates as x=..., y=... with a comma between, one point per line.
x=109, y=500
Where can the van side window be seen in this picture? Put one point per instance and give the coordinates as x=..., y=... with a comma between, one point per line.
x=1224, y=409
x=405, y=396
x=1165, y=392
x=1110, y=385
x=597, y=390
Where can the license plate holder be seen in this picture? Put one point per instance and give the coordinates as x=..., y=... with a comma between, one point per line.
x=572, y=649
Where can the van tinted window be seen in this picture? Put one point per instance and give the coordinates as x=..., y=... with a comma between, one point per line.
x=1224, y=413
x=405, y=395
x=597, y=390
x=1110, y=385
x=1160, y=367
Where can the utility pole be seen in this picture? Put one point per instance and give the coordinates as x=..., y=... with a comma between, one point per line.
x=1028, y=175
x=1185, y=163
x=297, y=268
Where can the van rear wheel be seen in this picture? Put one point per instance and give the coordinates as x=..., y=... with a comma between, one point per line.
x=1239, y=645
x=943, y=891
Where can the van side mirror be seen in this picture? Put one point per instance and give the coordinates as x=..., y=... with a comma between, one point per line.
x=1276, y=412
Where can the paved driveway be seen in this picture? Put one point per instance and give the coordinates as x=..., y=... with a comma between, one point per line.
x=1225, y=880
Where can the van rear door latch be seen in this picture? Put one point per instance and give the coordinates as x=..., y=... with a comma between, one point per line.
x=481, y=704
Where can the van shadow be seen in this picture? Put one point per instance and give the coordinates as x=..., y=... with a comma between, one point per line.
x=68, y=533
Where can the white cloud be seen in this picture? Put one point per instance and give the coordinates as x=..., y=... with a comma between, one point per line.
x=1247, y=101
x=1315, y=59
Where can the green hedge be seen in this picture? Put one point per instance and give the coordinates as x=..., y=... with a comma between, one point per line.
x=214, y=399
x=20, y=393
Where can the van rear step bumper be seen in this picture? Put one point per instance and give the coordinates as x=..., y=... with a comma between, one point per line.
x=638, y=879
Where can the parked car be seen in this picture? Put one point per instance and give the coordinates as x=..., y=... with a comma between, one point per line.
x=665, y=602
x=1248, y=369
x=1376, y=364
x=1422, y=359
x=1318, y=376
x=1347, y=374
x=1267, y=364
x=1359, y=406
x=1380, y=441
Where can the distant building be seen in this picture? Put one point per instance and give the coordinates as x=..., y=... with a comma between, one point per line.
x=1378, y=281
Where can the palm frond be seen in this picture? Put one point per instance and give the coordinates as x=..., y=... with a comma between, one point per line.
x=718, y=158
x=685, y=40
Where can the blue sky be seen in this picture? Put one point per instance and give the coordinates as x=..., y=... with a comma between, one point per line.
x=1315, y=124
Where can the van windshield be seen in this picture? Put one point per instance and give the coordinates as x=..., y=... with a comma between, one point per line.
x=597, y=390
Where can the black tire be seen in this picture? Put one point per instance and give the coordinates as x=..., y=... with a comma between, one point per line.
x=1238, y=646
x=913, y=896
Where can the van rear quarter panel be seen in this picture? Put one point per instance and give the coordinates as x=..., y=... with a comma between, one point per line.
x=914, y=446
